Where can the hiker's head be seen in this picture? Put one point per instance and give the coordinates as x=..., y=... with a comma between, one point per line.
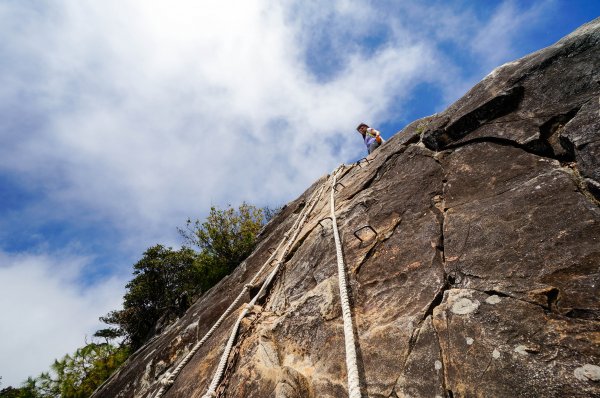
x=362, y=128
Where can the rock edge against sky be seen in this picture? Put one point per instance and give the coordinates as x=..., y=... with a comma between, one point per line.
x=471, y=240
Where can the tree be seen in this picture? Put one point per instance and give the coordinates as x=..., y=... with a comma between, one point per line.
x=73, y=376
x=163, y=286
x=164, y=280
x=226, y=237
x=23, y=392
x=10, y=392
x=270, y=212
x=109, y=334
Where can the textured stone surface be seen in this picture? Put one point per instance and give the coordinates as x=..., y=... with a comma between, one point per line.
x=472, y=242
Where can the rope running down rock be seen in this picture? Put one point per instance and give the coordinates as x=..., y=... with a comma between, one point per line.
x=351, y=362
x=224, y=357
x=169, y=378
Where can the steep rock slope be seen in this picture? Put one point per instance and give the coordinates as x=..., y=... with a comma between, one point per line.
x=471, y=240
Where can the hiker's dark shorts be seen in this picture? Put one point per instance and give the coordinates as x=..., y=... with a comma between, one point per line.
x=373, y=146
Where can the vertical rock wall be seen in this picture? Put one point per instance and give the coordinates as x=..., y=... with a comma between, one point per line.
x=472, y=241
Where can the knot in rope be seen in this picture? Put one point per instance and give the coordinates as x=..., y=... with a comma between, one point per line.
x=248, y=286
x=167, y=380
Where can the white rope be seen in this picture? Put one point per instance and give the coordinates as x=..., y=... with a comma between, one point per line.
x=351, y=362
x=211, y=392
x=169, y=378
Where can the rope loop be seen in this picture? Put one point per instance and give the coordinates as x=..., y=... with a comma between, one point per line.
x=167, y=380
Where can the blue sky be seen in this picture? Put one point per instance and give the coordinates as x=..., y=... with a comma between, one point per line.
x=121, y=119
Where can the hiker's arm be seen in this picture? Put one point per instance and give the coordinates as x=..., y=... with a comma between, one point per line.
x=376, y=134
x=373, y=132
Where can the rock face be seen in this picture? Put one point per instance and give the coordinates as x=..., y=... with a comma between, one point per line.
x=472, y=243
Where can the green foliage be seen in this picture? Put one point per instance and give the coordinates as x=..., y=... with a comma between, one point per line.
x=421, y=128
x=226, y=236
x=166, y=281
x=109, y=334
x=23, y=392
x=225, y=239
x=163, y=282
x=10, y=392
x=77, y=376
x=270, y=212
x=73, y=376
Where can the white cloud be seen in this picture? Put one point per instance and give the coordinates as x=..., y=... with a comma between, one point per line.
x=46, y=312
x=148, y=115
x=138, y=114
x=157, y=111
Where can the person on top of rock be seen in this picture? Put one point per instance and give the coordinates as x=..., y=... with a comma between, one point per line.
x=371, y=137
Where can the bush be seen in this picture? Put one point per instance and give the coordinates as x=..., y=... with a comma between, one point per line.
x=224, y=239
x=166, y=282
x=73, y=376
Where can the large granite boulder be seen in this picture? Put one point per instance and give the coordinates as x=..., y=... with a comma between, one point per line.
x=472, y=243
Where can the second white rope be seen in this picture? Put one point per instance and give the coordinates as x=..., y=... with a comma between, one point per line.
x=228, y=347
x=351, y=361
x=169, y=378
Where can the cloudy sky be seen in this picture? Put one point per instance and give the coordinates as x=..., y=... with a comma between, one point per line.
x=119, y=119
